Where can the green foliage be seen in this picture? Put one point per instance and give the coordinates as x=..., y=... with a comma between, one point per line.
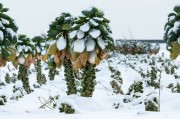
x=69, y=75
x=40, y=45
x=151, y=104
x=18, y=92
x=153, y=81
x=23, y=76
x=8, y=35
x=66, y=108
x=172, y=33
x=61, y=26
x=94, y=20
x=136, y=87
x=176, y=89
x=117, y=80
x=136, y=47
x=59, y=30
x=7, y=78
x=24, y=46
x=88, y=80
x=3, y=99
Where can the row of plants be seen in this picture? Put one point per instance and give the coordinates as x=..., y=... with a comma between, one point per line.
x=136, y=47
x=73, y=42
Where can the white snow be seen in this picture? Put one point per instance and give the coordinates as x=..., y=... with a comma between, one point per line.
x=171, y=18
x=98, y=18
x=89, y=8
x=11, y=32
x=4, y=21
x=85, y=27
x=101, y=43
x=19, y=48
x=26, y=48
x=80, y=34
x=90, y=44
x=92, y=57
x=43, y=52
x=43, y=44
x=79, y=45
x=73, y=34
x=95, y=33
x=101, y=105
x=93, y=22
x=176, y=26
x=21, y=60
x=1, y=35
x=61, y=43
x=1, y=25
x=38, y=49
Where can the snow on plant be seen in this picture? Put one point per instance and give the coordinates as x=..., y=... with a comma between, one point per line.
x=172, y=33
x=8, y=37
x=41, y=53
x=58, y=34
x=25, y=51
x=25, y=57
x=41, y=47
x=137, y=47
x=60, y=47
x=91, y=38
x=91, y=42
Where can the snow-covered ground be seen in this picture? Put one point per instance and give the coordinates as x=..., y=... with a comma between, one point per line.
x=101, y=104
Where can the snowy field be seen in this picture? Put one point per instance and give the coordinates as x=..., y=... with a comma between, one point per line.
x=101, y=104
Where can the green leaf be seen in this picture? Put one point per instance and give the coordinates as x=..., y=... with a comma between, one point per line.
x=177, y=9
x=6, y=42
x=66, y=27
x=4, y=9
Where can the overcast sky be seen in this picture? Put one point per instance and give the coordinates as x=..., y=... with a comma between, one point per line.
x=137, y=19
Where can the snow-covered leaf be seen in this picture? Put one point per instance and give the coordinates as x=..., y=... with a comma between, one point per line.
x=101, y=43
x=85, y=27
x=38, y=49
x=79, y=46
x=43, y=44
x=1, y=35
x=98, y=18
x=95, y=33
x=30, y=49
x=90, y=44
x=19, y=48
x=26, y=49
x=5, y=21
x=11, y=32
x=73, y=34
x=1, y=25
x=176, y=26
x=93, y=22
x=61, y=43
x=80, y=34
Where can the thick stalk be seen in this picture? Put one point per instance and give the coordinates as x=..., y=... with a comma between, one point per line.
x=52, y=72
x=40, y=78
x=23, y=76
x=88, y=80
x=69, y=75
